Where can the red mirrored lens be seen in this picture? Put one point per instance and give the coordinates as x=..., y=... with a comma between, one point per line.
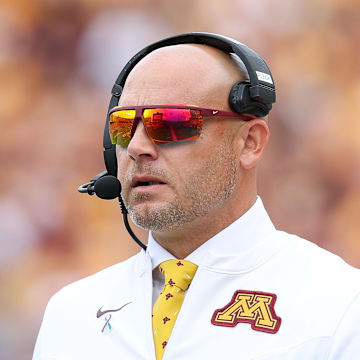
x=167, y=125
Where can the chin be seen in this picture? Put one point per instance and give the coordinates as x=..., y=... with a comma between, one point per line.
x=153, y=216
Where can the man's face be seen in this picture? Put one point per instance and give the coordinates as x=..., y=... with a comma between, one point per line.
x=167, y=185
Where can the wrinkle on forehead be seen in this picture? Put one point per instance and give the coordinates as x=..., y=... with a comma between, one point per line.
x=182, y=74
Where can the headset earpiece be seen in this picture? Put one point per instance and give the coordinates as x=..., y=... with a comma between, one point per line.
x=241, y=102
x=109, y=148
x=111, y=161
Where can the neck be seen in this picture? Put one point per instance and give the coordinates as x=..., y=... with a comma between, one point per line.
x=183, y=240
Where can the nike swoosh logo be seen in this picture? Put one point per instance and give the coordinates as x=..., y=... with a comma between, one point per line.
x=101, y=313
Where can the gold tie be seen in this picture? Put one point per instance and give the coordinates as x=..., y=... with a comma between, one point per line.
x=178, y=275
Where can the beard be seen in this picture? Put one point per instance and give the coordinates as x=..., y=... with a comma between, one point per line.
x=202, y=191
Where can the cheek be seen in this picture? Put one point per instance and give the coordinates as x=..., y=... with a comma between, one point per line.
x=122, y=162
x=180, y=163
x=184, y=166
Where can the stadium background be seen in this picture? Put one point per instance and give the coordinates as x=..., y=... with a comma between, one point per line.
x=58, y=61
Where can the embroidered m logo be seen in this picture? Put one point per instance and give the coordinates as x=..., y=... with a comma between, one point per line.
x=253, y=307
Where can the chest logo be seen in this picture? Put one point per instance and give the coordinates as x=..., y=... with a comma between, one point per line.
x=252, y=307
x=101, y=313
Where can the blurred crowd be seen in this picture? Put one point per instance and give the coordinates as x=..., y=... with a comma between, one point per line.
x=58, y=62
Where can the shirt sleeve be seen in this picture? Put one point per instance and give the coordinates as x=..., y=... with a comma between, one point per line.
x=41, y=339
x=346, y=340
x=48, y=339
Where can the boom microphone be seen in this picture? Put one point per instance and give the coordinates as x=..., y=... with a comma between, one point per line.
x=108, y=187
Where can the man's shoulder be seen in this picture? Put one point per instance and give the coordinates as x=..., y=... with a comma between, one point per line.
x=308, y=262
x=318, y=294
x=117, y=276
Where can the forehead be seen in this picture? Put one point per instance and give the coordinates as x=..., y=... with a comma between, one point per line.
x=186, y=74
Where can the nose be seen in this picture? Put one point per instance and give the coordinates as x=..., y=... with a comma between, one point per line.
x=140, y=145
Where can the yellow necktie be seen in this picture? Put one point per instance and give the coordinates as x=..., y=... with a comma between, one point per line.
x=178, y=275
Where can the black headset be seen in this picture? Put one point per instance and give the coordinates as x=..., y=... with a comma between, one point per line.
x=253, y=96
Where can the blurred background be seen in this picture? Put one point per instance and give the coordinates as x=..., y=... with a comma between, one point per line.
x=58, y=62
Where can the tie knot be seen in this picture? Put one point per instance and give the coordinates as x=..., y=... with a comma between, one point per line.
x=178, y=273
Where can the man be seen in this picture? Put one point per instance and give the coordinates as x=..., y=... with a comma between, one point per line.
x=256, y=293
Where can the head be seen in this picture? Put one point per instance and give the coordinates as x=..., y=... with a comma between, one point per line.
x=198, y=179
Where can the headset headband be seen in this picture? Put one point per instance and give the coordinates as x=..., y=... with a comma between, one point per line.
x=255, y=96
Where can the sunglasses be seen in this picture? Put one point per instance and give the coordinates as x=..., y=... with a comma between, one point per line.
x=163, y=123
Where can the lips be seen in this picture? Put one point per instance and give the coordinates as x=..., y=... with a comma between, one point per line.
x=145, y=180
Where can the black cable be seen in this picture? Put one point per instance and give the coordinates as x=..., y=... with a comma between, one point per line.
x=126, y=222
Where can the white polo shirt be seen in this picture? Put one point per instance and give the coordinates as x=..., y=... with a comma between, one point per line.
x=258, y=294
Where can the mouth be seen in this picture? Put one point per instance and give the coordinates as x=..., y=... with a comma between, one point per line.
x=146, y=182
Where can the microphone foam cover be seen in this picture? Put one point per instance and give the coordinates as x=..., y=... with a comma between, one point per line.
x=107, y=187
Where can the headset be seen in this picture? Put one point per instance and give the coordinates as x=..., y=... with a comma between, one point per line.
x=252, y=96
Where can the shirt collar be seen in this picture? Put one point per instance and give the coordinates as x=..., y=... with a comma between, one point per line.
x=240, y=237
x=157, y=253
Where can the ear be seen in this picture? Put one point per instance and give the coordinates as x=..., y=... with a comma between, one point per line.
x=254, y=135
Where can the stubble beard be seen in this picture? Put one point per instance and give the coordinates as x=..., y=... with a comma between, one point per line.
x=204, y=190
